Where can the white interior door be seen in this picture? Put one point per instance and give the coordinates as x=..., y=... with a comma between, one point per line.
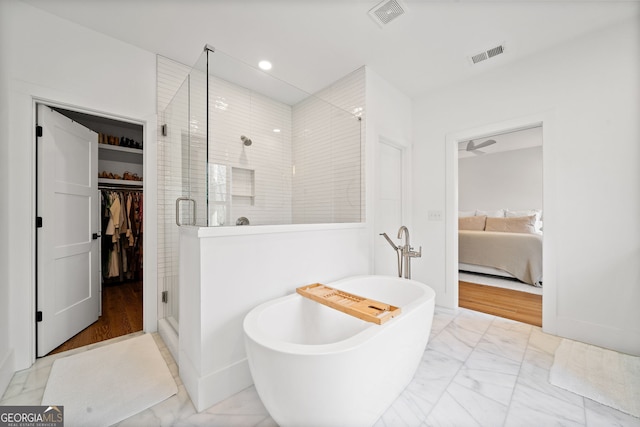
x=68, y=252
x=389, y=202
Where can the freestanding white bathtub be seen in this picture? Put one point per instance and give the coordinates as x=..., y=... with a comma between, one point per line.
x=316, y=366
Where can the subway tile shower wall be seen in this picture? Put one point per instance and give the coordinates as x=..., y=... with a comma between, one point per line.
x=328, y=153
x=308, y=172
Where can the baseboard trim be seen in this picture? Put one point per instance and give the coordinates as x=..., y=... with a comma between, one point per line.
x=624, y=341
x=170, y=337
x=447, y=310
x=215, y=387
x=6, y=371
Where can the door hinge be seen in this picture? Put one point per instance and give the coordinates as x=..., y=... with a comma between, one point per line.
x=38, y=222
x=38, y=316
x=38, y=131
x=165, y=296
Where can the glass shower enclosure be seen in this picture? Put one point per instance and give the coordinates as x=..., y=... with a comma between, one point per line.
x=248, y=149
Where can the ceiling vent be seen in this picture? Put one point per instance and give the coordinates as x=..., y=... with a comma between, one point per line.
x=490, y=53
x=386, y=11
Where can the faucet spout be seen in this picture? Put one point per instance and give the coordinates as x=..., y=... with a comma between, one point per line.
x=406, y=235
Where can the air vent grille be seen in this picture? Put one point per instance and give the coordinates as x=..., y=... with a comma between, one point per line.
x=479, y=57
x=386, y=11
x=495, y=51
x=490, y=53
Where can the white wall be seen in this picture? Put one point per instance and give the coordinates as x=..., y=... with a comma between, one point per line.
x=6, y=349
x=389, y=117
x=591, y=176
x=505, y=180
x=50, y=59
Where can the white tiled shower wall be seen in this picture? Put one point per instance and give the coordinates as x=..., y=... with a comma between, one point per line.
x=328, y=153
x=235, y=112
x=322, y=143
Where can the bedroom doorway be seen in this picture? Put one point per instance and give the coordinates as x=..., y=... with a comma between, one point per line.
x=500, y=199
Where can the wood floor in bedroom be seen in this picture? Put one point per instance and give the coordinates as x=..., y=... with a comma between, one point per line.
x=515, y=305
x=121, y=315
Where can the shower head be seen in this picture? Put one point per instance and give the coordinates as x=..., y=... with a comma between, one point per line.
x=246, y=141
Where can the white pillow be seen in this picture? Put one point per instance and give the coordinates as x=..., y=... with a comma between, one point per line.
x=491, y=214
x=464, y=214
x=527, y=212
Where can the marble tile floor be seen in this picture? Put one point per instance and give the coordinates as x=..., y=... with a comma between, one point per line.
x=477, y=370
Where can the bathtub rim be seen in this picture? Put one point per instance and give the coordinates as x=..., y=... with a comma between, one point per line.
x=253, y=332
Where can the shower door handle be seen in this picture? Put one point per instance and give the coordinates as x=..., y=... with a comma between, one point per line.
x=185, y=199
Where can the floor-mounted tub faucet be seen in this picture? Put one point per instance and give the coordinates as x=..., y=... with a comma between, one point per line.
x=404, y=252
x=407, y=252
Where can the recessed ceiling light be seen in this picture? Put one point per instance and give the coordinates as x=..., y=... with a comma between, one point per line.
x=276, y=130
x=264, y=65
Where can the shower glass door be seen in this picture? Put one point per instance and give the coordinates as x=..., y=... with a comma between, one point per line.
x=181, y=184
x=170, y=187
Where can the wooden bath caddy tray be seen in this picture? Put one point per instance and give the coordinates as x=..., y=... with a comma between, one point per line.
x=357, y=306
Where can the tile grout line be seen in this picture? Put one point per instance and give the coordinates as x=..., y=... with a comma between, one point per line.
x=457, y=371
x=517, y=376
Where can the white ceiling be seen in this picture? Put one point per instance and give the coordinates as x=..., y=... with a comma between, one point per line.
x=312, y=43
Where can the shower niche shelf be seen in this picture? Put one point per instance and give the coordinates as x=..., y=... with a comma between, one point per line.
x=243, y=184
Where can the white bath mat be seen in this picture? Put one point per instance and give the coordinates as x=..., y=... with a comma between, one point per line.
x=103, y=386
x=606, y=376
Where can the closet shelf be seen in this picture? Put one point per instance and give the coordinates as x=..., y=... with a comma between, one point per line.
x=115, y=153
x=121, y=149
x=123, y=182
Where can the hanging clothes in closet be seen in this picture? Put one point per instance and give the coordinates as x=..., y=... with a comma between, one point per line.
x=121, y=234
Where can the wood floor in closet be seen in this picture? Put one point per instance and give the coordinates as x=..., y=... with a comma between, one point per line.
x=121, y=315
x=515, y=305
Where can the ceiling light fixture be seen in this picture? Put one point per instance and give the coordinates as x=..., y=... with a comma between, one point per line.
x=264, y=65
x=276, y=130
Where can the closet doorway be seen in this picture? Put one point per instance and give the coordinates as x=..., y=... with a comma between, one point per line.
x=89, y=241
x=500, y=182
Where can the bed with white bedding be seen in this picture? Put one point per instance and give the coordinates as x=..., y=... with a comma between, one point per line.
x=517, y=254
x=509, y=247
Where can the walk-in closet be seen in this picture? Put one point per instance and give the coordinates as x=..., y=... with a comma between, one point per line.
x=107, y=208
